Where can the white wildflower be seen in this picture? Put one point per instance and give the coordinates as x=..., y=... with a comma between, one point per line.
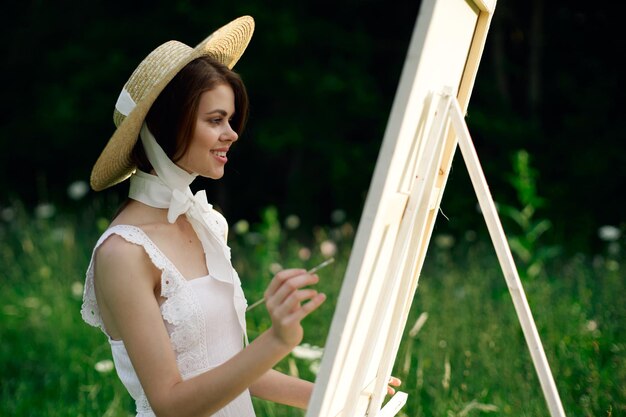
x=275, y=268
x=314, y=367
x=592, y=325
x=307, y=352
x=44, y=211
x=609, y=233
x=77, y=289
x=444, y=241
x=304, y=254
x=104, y=366
x=328, y=248
x=77, y=190
x=292, y=222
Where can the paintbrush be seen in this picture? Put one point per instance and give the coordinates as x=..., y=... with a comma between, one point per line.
x=310, y=271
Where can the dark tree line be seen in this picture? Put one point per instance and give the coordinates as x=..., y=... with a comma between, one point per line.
x=322, y=76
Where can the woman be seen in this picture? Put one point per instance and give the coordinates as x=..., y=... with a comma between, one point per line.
x=160, y=284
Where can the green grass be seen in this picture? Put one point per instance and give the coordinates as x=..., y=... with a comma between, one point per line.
x=469, y=358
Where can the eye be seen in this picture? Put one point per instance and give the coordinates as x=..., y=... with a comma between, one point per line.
x=216, y=120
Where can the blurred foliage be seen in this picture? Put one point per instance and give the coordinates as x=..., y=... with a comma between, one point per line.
x=322, y=76
x=468, y=356
x=524, y=239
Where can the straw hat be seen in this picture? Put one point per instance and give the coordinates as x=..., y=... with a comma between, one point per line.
x=226, y=44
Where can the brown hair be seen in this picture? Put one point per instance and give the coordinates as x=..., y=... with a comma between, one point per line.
x=172, y=117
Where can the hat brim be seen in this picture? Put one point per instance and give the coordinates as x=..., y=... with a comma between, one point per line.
x=114, y=165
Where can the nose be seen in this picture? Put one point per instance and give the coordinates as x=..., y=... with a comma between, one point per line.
x=230, y=134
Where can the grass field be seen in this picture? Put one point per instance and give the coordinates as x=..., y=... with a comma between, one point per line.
x=468, y=359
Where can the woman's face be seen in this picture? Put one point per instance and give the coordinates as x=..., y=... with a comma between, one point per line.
x=213, y=136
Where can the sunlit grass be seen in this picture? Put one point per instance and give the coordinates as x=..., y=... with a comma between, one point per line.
x=466, y=357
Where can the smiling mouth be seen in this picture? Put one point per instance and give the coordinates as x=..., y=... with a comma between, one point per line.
x=221, y=154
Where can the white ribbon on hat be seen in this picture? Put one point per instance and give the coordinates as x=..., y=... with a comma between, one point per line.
x=125, y=103
x=170, y=189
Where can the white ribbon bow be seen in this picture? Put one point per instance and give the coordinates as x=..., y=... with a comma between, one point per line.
x=182, y=202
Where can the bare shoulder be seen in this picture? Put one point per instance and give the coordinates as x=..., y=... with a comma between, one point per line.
x=117, y=260
x=117, y=249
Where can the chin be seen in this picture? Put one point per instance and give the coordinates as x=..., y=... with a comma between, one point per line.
x=212, y=175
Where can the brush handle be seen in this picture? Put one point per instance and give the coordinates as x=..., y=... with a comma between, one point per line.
x=310, y=271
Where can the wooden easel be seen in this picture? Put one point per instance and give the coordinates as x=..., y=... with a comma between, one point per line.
x=450, y=112
x=400, y=212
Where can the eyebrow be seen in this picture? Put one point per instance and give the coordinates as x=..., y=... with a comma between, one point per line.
x=219, y=111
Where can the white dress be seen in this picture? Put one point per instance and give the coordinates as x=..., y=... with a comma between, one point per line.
x=203, y=317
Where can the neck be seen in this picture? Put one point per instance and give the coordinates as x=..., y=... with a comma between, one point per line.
x=150, y=190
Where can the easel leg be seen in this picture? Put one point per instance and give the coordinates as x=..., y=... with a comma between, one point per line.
x=506, y=261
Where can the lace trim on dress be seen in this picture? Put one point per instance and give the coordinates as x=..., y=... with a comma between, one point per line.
x=142, y=406
x=180, y=308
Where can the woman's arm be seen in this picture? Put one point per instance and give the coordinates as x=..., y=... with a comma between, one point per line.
x=125, y=287
x=284, y=389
